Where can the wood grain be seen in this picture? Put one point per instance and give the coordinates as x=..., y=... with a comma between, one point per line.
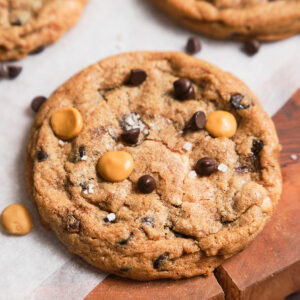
x=270, y=267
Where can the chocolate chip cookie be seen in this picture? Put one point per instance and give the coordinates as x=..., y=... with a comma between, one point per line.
x=154, y=165
x=27, y=26
x=237, y=19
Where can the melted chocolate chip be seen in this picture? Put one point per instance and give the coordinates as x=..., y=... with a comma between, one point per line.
x=193, y=45
x=13, y=71
x=126, y=241
x=131, y=136
x=72, y=224
x=257, y=146
x=82, y=151
x=251, y=47
x=37, y=50
x=197, y=121
x=37, y=102
x=137, y=77
x=42, y=155
x=206, y=166
x=183, y=89
x=146, y=184
x=158, y=262
x=235, y=101
x=182, y=236
x=148, y=221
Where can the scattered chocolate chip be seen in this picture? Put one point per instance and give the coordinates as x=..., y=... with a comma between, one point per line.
x=126, y=241
x=146, y=184
x=193, y=45
x=206, y=166
x=13, y=71
x=72, y=224
x=16, y=23
x=148, y=221
x=157, y=263
x=251, y=47
x=37, y=50
x=235, y=101
x=124, y=270
x=197, y=121
x=82, y=151
x=137, y=77
x=131, y=136
x=37, y=102
x=242, y=169
x=42, y=155
x=257, y=146
x=183, y=89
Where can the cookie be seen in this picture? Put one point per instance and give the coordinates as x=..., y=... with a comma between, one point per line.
x=168, y=166
x=27, y=26
x=237, y=19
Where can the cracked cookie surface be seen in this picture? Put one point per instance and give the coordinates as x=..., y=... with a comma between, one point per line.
x=237, y=19
x=28, y=25
x=184, y=224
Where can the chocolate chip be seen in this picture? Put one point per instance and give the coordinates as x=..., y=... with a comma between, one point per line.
x=37, y=102
x=13, y=71
x=16, y=23
x=131, y=136
x=126, y=241
x=37, y=50
x=146, y=184
x=137, y=77
x=193, y=45
x=42, y=155
x=206, y=166
x=183, y=89
x=3, y=72
x=158, y=262
x=257, y=146
x=251, y=47
x=197, y=121
x=82, y=151
x=235, y=101
x=124, y=270
x=148, y=221
x=72, y=224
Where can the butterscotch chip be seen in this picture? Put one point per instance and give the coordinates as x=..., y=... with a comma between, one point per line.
x=16, y=219
x=27, y=26
x=221, y=124
x=115, y=166
x=67, y=123
x=168, y=199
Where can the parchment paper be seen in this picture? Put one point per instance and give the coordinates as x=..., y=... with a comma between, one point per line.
x=37, y=266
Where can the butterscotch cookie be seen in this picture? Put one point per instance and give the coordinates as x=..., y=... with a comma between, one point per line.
x=237, y=19
x=154, y=165
x=27, y=26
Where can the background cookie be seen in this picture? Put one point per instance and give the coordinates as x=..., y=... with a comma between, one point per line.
x=28, y=25
x=237, y=19
x=185, y=198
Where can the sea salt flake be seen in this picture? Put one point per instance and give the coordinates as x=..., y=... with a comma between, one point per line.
x=111, y=217
x=223, y=168
x=192, y=174
x=187, y=146
x=294, y=156
x=84, y=158
x=90, y=188
x=61, y=143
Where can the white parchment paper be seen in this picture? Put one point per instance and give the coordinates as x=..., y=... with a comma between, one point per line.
x=37, y=266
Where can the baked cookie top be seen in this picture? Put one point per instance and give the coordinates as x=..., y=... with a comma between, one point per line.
x=154, y=165
x=28, y=25
x=237, y=19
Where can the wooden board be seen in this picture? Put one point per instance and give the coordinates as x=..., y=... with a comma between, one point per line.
x=268, y=269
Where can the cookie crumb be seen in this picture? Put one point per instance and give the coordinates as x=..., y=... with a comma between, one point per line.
x=61, y=143
x=223, y=168
x=111, y=217
x=192, y=174
x=294, y=156
x=187, y=146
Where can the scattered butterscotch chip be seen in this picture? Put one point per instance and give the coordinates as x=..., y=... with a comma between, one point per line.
x=221, y=124
x=16, y=219
x=115, y=166
x=67, y=123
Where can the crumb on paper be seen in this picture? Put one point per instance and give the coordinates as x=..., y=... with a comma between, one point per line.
x=223, y=168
